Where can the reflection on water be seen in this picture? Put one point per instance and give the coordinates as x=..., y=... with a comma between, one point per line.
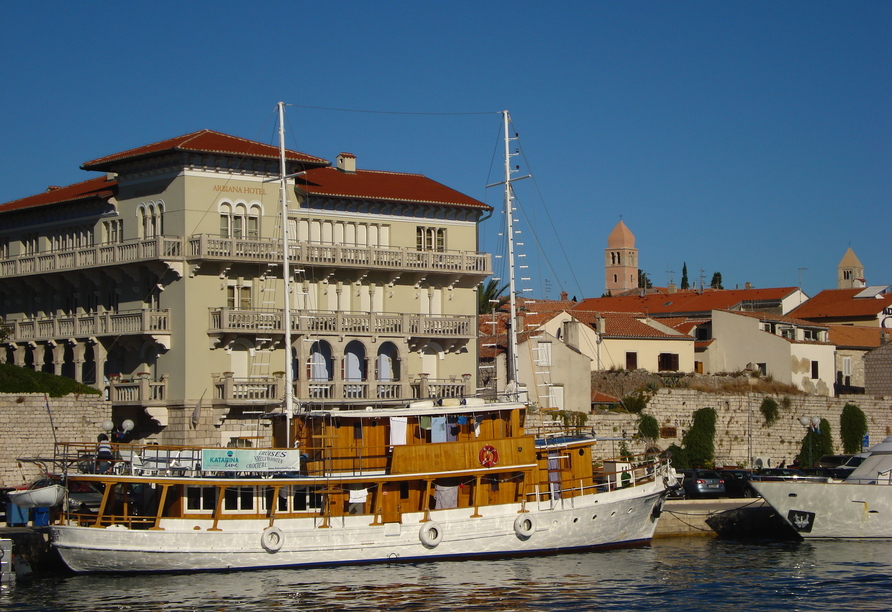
x=672, y=574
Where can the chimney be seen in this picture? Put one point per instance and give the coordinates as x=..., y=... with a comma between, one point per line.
x=564, y=296
x=671, y=288
x=571, y=333
x=347, y=163
x=599, y=323
x=748, y=285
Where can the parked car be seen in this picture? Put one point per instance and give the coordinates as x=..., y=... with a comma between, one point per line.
x=779, y=474
x=737, y=483
x=703, y=483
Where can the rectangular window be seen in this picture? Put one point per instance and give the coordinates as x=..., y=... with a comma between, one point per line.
x=702, y=334
x=814, y=369
x=224, y=226
x=763, y=368
x=667, y=362
x=430, y=239
x=238, y=499
x=631, y=361
x=556, y=397
x=809, y=334
x=846, y=366
x=4, y=248
x=201, y=499
x=253, y=227
x=544, y=350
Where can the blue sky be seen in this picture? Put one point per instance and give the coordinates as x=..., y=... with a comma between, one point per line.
x=749, y=138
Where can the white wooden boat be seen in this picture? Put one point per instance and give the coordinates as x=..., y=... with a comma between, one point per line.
x=444, y=479
x=41, y=496
x=859, y=507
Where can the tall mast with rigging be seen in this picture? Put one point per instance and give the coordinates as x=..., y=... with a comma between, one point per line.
x=286, y=274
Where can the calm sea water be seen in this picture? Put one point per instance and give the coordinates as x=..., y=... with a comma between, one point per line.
x=688, y=573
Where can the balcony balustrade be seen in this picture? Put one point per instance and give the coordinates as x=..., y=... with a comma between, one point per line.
x=229, y=389
x=121, y=323
x=232, y=320
x=209, y=248
x=138, y=391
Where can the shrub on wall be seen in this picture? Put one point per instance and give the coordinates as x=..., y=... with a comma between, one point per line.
x=648, y=428
x=699, y=441
x=770, y=411
x=852, y=427
x=636, y=402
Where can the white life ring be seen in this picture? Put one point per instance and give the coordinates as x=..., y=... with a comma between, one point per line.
x=272, y=539
x=431, y=534
x=525, y=525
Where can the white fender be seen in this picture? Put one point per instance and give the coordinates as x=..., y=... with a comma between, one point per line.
x=430, y=534
x=525, y=525
x=272, y=539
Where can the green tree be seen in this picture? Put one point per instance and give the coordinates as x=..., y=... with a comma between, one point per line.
x=678, y=457
x=643, y=281
x=699, y=440
x=716, y=281
x=490, y=297
x=852, y=427
x=816, y=443
x=685, y=283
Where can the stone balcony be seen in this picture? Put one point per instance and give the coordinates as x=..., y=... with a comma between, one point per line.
x=315, y=322
x=233, y=391
x=143, y=322
x=179, y=251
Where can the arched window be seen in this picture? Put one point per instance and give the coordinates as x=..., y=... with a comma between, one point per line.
x=319, y=365
x=388, y=363
x=354, y=362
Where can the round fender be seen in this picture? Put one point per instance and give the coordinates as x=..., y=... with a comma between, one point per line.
x=658, y=508
x=272, y=539
x=525, y=525
x=430, y=534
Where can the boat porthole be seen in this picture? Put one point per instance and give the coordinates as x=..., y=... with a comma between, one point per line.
x=525, y=525
x=576, y=520
x=594, y=516
x=430, y=534
x=272, y=539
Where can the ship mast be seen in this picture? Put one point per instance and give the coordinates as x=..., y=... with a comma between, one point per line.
x=286, y=275
x=512, y=386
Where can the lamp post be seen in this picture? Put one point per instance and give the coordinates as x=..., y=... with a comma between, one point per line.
x=812, y=424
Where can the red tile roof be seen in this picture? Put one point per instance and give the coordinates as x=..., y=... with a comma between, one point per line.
x=841, y=303
x=203, y=141
x=686, y=302
x=764, y=316
x=603, y=398
x=99, y=187
x=855, y=336
x=624, y=325
x=378, y=185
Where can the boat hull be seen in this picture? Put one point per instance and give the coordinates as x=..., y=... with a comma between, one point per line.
x=612, y=519
x=832, y=509
x=43, y=497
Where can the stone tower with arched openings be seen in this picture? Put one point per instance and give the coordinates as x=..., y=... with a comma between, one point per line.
x=620, y=261
x=850, y=271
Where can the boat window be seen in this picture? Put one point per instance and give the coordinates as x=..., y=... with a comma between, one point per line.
x=238, y=499
x=201, y=499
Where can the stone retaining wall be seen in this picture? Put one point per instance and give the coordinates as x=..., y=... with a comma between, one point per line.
x=741, y=432
x=26, y=429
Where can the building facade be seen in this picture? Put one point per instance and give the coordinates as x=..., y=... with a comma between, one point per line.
x=161, y=281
